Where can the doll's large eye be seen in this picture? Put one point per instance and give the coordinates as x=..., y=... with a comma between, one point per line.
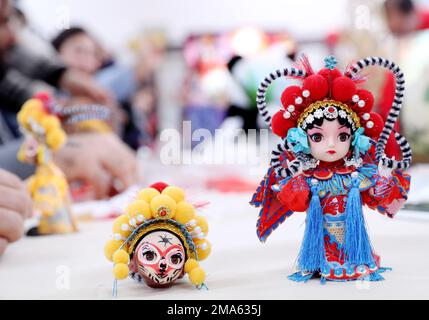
x=176, y=259
x=316, y=137
x=343, y=137
x=149, y=256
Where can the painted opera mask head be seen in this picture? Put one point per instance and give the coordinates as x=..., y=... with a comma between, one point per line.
x=159, y=239
x=159, y=258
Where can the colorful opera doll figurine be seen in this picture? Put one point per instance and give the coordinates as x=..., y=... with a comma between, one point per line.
x=159, y=239
x=328, y=164
x=48, y=186
x=43, y=135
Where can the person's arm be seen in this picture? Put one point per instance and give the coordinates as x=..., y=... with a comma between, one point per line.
x=56, y=74
x=36, y=66
x=99, y=160
x=19, y=75
x=80, y=84
x=15, y=89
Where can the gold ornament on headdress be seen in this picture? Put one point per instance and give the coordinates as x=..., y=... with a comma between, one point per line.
x=326, y=103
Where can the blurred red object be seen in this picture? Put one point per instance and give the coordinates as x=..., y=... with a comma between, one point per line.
x=230, y=184
x=332, y=39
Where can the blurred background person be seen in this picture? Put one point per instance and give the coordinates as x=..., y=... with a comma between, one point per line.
x=21, y=72
x=131, y=86
x=80, y=51
x=404, y=17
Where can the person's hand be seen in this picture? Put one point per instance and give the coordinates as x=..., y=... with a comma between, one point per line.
x=84, y=89
x=15, y=206
x=80, y=84
x=99, y=160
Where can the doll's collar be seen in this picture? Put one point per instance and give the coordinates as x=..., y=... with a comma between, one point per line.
x=325, y=170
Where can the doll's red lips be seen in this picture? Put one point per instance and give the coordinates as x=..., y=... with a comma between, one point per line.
x=331, y=151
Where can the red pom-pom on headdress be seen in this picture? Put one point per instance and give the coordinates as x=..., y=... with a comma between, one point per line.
x=363, y=101
x=46, y=99
x=317, y=87
x=292, y=96
x=280, y=125
x=343, y=89
x=373, y=124
x=329, y=74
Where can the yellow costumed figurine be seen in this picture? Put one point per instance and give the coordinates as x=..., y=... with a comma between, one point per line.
x=159, y=239
x=41, y=126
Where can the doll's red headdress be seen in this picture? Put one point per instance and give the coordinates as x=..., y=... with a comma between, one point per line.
x=332, y=94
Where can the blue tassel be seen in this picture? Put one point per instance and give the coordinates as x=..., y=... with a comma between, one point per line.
x=201, y=286
x=300, y=277
x=384, y=269
x=357, y=247
x=312, y=253
x=115, y=288
x=375, y=276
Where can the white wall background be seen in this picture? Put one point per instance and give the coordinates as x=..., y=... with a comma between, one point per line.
x=115, y=21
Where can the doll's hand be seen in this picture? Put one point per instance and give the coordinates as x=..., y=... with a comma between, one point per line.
x=98, y=159
x=295, y=195
x=15, y=206
x=383, y=171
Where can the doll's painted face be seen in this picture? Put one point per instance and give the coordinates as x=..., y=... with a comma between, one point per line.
x=330, y=141
x=28, y=150
x=160, y=258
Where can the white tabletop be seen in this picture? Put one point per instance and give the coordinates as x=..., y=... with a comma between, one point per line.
x=240, y=267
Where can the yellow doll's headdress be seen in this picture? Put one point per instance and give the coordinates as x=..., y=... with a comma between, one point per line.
x=36, y=119
x=40, y=118
x=159, y=207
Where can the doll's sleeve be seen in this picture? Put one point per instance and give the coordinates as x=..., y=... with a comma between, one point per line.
x=295, y=195
x=387, y=195
x=273, y=212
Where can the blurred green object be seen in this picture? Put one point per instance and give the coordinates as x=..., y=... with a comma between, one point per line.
x=417, y=207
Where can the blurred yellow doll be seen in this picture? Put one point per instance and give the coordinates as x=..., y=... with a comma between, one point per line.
x=159, y=239
x=48, y=187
